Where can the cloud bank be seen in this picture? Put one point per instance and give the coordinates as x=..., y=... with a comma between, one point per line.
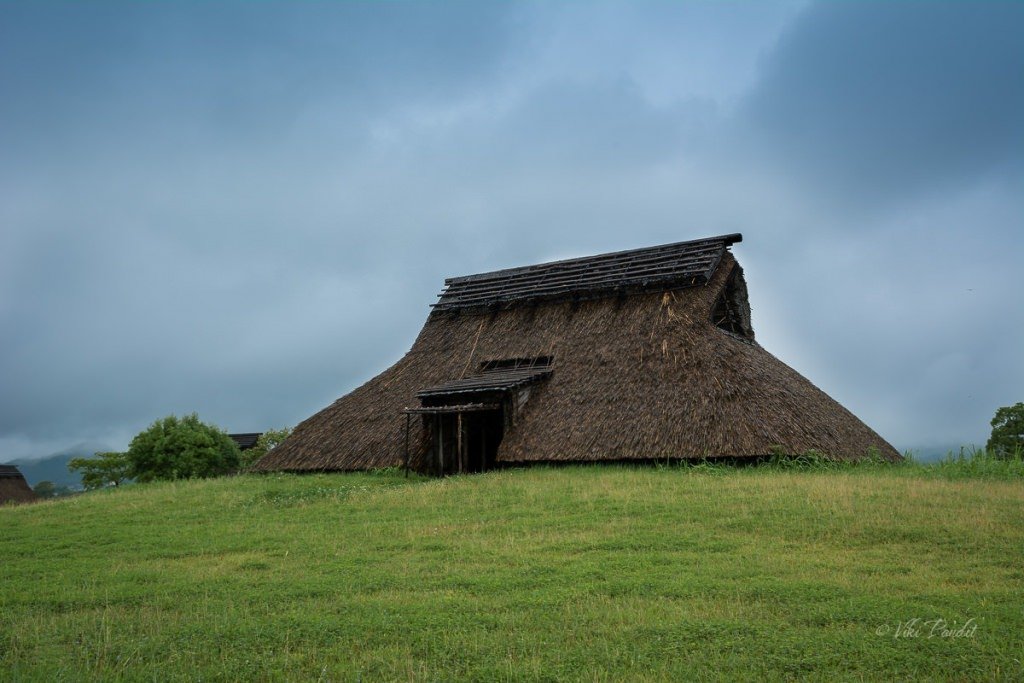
x=245, y=210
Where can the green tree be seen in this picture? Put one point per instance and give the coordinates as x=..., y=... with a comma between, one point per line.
x=181, y=448
x=45, y=489
x=1007, y=440
x=267, y=441
x=106, y=469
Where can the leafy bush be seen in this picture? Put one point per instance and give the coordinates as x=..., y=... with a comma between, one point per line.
x=47, y=489
x=1007, y=438
x=106, y=469
x=182, y=448
x=266, y=442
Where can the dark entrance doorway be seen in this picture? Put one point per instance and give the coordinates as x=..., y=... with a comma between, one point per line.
x=467, y=441
x=465, y=419
x=459, y=438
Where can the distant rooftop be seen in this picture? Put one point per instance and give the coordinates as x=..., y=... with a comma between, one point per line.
x=9, y=471
x=669, y=266
x=245, y=441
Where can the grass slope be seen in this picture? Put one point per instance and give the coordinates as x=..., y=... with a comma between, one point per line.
x=592, y=573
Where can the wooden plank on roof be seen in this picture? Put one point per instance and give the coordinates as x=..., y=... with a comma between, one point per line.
x=640, y=278
x=498, y=380
x=598, y=277
x=463, y=408
x=670, y=266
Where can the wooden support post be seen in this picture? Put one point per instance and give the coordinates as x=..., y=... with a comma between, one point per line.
x=458, y=420
x=408, y=418
x=440, y=444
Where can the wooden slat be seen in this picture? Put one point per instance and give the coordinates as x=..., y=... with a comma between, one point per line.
x=612, y=256
x=464, y=408
x=598, y=276
x=673, y=265
x=491, y=380
x=594, y=275
x=641, y=279
x=705, y=252
x=575, y=294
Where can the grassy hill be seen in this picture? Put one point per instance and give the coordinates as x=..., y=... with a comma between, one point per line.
x=593, y=573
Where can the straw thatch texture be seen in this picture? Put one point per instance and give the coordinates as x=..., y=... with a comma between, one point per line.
x=634, y=377
x=13, y=487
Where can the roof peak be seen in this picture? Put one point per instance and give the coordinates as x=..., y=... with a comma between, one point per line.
x=667, y=266
x=728, y=240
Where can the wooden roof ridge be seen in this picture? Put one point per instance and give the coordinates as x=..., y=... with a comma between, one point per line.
x=679, y=264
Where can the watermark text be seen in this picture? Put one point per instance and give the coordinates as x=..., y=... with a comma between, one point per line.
x=929, y=628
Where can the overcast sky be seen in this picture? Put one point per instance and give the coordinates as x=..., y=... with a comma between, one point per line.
x=245, y=210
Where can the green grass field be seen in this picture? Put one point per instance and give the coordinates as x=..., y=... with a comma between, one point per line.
x=577, y=573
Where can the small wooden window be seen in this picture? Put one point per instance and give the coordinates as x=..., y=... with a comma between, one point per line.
x=515, y=363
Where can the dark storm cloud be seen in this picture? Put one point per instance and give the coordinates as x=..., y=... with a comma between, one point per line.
x=183, y=190
x=245, y=209
x=874, y=103
x=898, y=127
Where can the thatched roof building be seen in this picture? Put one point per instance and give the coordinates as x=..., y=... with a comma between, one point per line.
x=636, y=355
x=13, y=487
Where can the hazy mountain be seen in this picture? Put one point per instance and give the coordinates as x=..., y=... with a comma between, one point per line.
x=55, y=467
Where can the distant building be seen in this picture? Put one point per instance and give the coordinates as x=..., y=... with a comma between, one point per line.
x=245, y=441
x=13, y=487
x=636, y=355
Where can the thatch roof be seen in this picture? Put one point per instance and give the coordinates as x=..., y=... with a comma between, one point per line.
x=13, y=487
x=637, y=370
